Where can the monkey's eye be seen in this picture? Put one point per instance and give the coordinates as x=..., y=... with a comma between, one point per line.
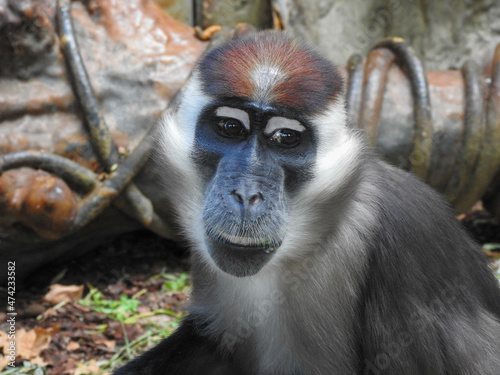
x=285, y=137
x=230, y=127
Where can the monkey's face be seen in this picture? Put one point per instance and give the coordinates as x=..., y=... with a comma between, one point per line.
x=253, y=159
x=260, y=122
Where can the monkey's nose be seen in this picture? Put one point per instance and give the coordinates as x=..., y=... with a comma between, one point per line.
x=247, y=198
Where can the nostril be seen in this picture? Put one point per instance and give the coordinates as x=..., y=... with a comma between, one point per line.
x=237, y=196
x=255, y=199
x=247, y=200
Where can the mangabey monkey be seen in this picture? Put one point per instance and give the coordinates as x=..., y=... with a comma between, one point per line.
x=311, y=256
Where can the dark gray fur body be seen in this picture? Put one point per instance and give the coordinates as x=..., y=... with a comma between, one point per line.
x=391, y=285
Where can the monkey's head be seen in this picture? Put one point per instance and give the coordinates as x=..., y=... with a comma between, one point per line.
x=260, y=129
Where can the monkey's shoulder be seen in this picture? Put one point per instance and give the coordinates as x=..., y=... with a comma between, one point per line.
x=421, y=249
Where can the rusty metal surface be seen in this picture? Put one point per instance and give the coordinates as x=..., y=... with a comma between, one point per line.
x=473, y=133
x=376, y=69
x=422, y=145
x=99, y=134
x=134, y=203
x=444, y=126
x=92, y=143
x=354, y=91
x=38, y=200
x=137, y=58
x=489, y=158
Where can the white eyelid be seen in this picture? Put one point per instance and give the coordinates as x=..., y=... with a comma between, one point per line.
x=276, y=123
x=235, y=113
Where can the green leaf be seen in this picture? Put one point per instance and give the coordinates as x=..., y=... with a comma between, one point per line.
x=177, y=282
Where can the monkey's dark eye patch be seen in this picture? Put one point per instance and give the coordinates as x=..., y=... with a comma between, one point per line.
x=285, y=137
x=230, y=127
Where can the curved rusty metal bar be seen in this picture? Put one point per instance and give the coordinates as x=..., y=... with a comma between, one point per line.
x=473, y=135
x=354, y=88
x=77, y=176
x=100, y=136
x=64, y=104
x=489, y=159
x=94, y=204
x=102, y=195
x=378, y=63
x=420, y=157
x=139, y=206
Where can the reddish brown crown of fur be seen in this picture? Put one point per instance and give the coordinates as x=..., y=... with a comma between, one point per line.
x=268, y=67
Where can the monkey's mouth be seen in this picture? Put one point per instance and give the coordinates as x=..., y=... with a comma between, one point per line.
x=239, y=255
x=265, y=244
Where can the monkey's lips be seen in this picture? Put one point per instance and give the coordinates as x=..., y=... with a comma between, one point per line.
x=267, y=245
x=239, y=255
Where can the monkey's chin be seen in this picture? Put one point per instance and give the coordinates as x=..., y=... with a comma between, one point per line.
x=238, y=260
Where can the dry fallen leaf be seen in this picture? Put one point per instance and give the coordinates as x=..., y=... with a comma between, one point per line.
x=4, y=362
x=86, y=369
x=63, y=293
x=72, y=346
x=39, y=362
x=65, y=366
x=4, y=343
x=29, y=344
x=110, y=344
